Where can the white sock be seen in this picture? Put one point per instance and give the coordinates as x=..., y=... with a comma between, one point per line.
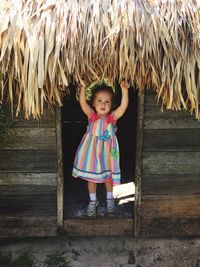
x=93, y=197
x=109, y=195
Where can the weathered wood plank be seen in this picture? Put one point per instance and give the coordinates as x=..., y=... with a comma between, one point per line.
x=170, y=215
x=19, y=226
x=28, y=138
x=151, y=99
x=27, y=161
x=169, y=119
x=99, y=227
x=171, y=184
x=28, y=205
x=46, y=120
x=172, y=140
x=170, y=227
x=15, y=190
x=171, y=163
x=27, y=178
x=179, y=206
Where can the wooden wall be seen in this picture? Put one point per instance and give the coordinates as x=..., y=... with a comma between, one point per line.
x=28, y=178
x=170, y=186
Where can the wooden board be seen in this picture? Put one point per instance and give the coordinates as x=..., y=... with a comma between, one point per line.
x=171, y=227
x=27, y=190
x=20, y=226
x=28, y=205
x=46, y=120
x=171, y=184
x=27, y=161
x=170, y=215
x=182, y=206
x=169, y=119
x=171, y=163
x=13, y=178
x=99, y=227
x=28, y=138
x=172, y=140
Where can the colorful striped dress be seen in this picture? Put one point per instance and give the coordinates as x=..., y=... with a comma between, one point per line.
x=97, y=157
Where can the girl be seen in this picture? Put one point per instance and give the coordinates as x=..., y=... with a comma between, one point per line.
x=97, y=157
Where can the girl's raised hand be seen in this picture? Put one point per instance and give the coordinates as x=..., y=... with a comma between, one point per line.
x=83, y=101
x=124, y=100
x=124, y=85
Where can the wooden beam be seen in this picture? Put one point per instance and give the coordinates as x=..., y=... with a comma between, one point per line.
x=60, y=176
x=138, y=164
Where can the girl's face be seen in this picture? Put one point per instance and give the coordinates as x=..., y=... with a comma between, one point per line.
x=102, y=103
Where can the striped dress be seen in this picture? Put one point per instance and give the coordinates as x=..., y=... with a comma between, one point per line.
x=97, y=157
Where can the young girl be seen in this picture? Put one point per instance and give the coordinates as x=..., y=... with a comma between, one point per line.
x=97, y=157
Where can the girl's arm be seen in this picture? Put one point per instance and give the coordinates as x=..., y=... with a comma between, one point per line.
x=83, y=103
x=124, y=101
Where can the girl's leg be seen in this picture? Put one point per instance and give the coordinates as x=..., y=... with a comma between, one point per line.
x=92, y=187
x=109, y=189
x=110, y=198
x=91, y=210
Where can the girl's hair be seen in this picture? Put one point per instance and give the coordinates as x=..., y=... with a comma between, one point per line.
x=103, y=88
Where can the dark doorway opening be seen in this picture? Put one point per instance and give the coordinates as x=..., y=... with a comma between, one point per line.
x=74, y=123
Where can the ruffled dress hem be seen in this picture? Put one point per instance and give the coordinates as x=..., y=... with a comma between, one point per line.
x=100, y=177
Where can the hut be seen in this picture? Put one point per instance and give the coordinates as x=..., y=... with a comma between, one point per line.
x=48, y=48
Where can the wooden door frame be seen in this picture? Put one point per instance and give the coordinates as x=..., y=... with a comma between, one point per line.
x=60, y=174
x=138, y=168
x=138, y=164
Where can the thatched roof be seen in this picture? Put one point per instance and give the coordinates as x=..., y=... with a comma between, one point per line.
x=44, y=44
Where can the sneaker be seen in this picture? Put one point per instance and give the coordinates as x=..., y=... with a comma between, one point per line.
x=110, y=205
x=92, y=207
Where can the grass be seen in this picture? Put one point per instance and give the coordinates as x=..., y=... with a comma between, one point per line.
x=57, y=259
x=25, y=258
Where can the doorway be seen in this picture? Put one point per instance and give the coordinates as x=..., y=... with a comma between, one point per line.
x=74, y=123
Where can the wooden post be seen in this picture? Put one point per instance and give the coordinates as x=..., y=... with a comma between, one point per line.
x=138, y=166
x=60, y=177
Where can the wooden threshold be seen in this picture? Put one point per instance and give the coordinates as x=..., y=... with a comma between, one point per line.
x=99, y=227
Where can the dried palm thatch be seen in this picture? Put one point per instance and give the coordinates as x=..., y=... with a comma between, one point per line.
x=45, y=43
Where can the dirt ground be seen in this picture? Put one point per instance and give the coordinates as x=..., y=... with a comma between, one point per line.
x=112, y=251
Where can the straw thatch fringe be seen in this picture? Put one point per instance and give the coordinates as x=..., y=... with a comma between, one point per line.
x=150, y=43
